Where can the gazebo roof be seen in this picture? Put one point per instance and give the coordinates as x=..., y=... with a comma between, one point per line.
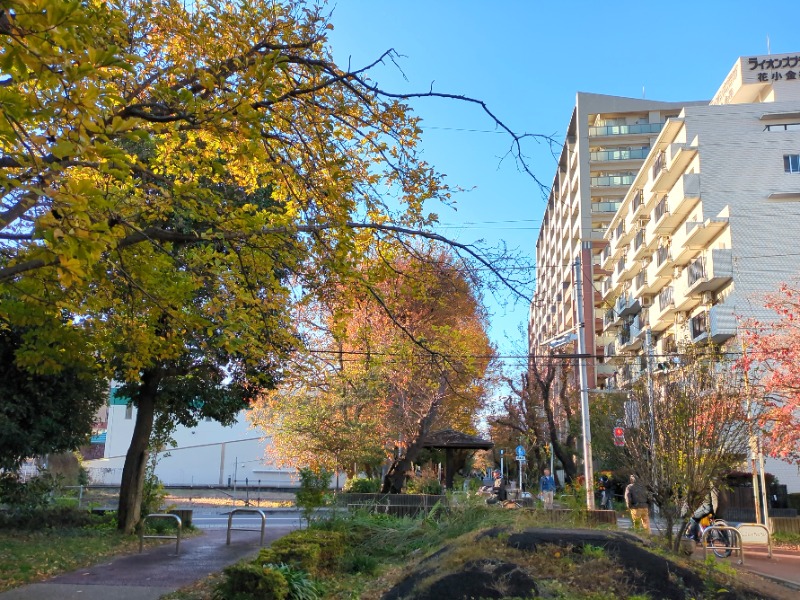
x=450, y=438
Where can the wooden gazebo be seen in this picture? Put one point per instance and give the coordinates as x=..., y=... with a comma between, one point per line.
x=452, y=441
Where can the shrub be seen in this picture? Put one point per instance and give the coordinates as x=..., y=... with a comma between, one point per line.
x=248, y=581
x=314, y=485
x=426, y=482
x=301, y=586
x=56, y=517
x=313, y=550
x=26, y=496
x=299, y=554
x=360, y=485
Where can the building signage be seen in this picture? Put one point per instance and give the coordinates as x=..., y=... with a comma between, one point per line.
x=775, y=68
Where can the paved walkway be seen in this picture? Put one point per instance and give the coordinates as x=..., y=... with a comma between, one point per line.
x=151, y=574
x=158, y=570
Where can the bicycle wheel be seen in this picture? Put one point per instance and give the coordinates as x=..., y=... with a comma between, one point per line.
x=720, y=542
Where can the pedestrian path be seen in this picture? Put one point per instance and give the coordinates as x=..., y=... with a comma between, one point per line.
x=782, y=568
x=153, y=573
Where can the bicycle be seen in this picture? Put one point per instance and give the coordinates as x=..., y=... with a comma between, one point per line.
x=719, y=540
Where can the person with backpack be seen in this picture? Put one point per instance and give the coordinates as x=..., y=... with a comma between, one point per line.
x=636, y=501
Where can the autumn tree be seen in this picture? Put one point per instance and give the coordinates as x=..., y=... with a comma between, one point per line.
x=542, y=407
x=401, y=355
x=770, y=356
x=172, y=199
x=701, y=433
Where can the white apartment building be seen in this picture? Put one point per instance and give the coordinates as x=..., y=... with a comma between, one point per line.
x=210, y=454
x=707, y=225
x=607, y=140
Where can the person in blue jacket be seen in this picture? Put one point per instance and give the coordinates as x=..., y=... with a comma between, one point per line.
x=547, y=488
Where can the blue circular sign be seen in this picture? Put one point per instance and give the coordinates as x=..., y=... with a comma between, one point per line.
x=521, y=451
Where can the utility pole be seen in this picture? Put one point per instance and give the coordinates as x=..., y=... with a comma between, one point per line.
x=584, y=384
x=648, y=341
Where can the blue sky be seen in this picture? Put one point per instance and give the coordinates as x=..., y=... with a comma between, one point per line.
x=527, y=60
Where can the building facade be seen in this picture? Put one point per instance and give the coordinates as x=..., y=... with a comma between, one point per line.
x=606, y=142
x=705, y=230
x=210, y=454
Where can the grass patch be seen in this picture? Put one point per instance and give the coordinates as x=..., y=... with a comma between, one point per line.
x=28, y=557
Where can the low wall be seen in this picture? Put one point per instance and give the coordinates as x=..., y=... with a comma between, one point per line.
x=785, y=525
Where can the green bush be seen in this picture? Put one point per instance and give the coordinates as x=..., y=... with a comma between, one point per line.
x=313, y=550
x=56, y=517
x=313, y=492
x=425, y=483
x=301, y=586
x=299, y=554
x=26, y=496
x=360, y=485
x=248, y=581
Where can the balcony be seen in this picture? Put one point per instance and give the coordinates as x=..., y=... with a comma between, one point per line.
x=664, y=308
x=636, y=129
x=616, y=155
x=605, y=259
x=702, y=234
x=683, y=197
x=635, y=341
x=708, y=275
x=610, y=319
x=663, y=262
x=670, y=165
x=611, y=180
x=640, y=283
x=717, y=325
x=638, y=246
x=626, y=305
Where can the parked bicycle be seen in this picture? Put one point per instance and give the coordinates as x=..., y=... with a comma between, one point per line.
x=719, y=540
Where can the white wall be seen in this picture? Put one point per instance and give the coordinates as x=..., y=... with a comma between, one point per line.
x=209, y=454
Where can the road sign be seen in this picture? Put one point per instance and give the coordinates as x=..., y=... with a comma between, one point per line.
x=619, y=436
x=520, y=451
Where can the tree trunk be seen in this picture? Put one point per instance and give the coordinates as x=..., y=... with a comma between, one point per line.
x=133, y=473
x=395, y=478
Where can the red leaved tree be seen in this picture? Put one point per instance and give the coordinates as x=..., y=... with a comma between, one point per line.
x=771, y=353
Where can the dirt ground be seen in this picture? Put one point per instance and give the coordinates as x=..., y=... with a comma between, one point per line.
x=552, y=562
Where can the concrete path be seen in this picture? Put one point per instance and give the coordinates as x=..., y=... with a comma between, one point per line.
x=153, y=573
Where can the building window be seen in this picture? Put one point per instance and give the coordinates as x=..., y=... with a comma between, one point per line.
x=783, y=127
x=791, y=163
x=129, y=412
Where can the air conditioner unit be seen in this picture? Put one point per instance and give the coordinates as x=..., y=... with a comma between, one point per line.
x=646, y=301
x=642, y=223
x=680, y=317
x=708, y=297
x=676, y=272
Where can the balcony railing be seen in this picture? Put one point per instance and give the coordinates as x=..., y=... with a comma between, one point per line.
x=637, y=200
x=626, y=129
x=638, y=241
x=609, y=317
x=636, y=153
x=665, y=299
x=641, y=280
x=620, y=265
x=660, y=210
x=611, y=180
x=662, y=254
x=620, y=230
x=697, y=271
x=659, y=164
x=605, y=207
x=699, y=325
x=605, y=254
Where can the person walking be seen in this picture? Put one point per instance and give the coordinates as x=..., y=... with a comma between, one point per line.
x=547, y=488
x=636, y=501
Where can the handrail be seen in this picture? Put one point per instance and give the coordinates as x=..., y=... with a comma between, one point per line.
x=245, y=510
x=177, y=537
x=759, y=526
x=734, y=547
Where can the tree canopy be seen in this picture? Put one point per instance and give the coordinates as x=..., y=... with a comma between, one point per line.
x=171, y=199
x=403, y=353
x=771, y=355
